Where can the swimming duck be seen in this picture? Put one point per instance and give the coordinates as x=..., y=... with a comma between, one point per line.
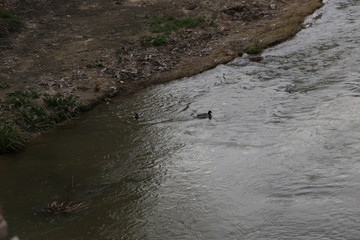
x=205, y=115
x=137, y=115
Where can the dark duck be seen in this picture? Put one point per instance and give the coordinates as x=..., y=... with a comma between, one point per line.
x=136, y=115
x=205, y=115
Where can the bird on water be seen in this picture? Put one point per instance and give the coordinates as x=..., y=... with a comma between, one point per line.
x=205, y=115
x=136, y=115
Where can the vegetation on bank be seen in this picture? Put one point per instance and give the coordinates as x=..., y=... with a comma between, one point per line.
x=156, y=40
x=10, y=140
x=29, y=111
x=4, y=85
x=169, y=24
x=163, y=26
x=255, y=49
x=8, y=23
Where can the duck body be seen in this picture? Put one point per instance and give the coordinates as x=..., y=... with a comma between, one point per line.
x=136, y=116
x=205, y=115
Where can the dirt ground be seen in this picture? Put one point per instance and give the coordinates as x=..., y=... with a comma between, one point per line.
x=92, y=48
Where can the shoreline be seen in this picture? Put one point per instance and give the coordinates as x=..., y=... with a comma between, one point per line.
x=84, y=54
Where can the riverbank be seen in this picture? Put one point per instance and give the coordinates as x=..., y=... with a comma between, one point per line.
x=69, y=56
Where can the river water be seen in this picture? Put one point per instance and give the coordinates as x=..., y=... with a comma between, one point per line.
x=280, y=159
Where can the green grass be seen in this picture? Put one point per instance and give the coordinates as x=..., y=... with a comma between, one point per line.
x=32, y=112
x=8, y=23
x=35, y=117
x=29, y=113
x=35, y=114
x=164, y=26
x=10, y=139
x=20, y=98
x=157, y=40
x=99, y=62
x=62, y=107
x=168, y=24
x=119, y=59
x=4, y=85
x=256, y=49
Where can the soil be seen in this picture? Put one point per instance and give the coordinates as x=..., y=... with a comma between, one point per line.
x=92, y=49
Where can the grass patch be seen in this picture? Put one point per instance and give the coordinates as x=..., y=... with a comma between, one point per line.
x=168, y=24
x=157, y=40
x=256, y=49
x=33, y=112
x=8, y=23
x=62, y=107
x=165, y=25
x=98, y=63
x=20, y=98
x=34, y=117
x=119, y=59
x=4, y=85
x=10, y=139
x=29, y=113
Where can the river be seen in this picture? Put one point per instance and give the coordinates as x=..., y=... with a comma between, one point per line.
x=280, y=159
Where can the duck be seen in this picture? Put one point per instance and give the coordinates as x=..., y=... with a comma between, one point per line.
x=137, y=115
x=205, y=115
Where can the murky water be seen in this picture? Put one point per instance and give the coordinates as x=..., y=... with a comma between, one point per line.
x=280, y=159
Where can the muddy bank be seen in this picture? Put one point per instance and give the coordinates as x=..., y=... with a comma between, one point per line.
x=96, y=49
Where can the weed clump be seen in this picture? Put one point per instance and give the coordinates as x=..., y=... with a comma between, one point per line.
x=20, y=98
x=34, y=117
x=98, y=63
x=168, y=24
x=164, y=26
x=33, y=112
x=8, y=23
x=4, y=85
x=10, y=139
x=62, y=107
x=157, y=40
x=119, y=59
x=28, y=112
x=256, y=49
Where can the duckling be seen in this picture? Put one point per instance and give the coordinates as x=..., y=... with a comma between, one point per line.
x=205, y=115
x=137, y=115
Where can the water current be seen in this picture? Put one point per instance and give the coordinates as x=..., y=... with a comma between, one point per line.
x=280, y=159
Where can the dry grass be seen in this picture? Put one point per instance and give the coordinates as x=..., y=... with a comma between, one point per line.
x=63, y=207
